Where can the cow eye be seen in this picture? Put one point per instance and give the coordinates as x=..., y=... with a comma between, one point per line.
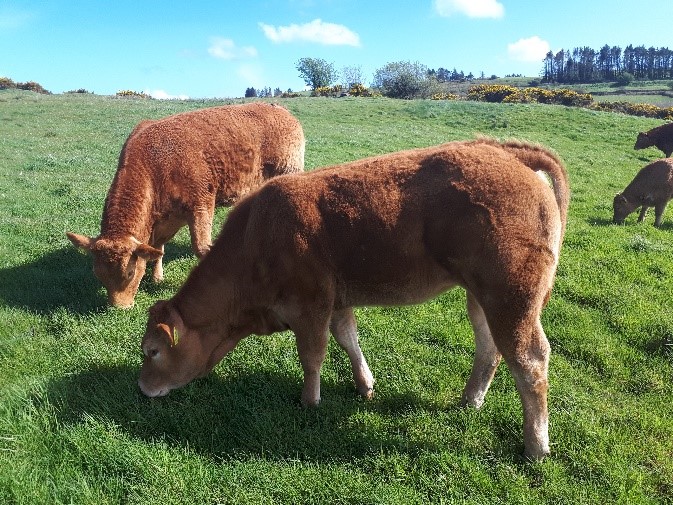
x=151, y=353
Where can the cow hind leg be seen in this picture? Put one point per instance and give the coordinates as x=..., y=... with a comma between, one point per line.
x=344, y=329
x=524, y=345
x=659, y=213
x=486, y=359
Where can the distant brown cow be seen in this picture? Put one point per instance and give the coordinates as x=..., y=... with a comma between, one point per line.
x=397, y=229
x=175, y=171
x=651, y=187
x=661, y=137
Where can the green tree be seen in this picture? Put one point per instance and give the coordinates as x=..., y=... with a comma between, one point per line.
x=402, y=79
x=316, y=72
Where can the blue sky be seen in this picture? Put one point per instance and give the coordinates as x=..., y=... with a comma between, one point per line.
x=219, y=48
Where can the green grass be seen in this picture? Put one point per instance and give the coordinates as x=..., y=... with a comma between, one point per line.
x=74, y=427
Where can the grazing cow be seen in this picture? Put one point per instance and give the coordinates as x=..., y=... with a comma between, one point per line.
x=651, y=187
x=303, y=250
x=661, y=137
x=175, y=171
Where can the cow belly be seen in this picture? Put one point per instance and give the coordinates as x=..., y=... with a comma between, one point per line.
x=408, y=288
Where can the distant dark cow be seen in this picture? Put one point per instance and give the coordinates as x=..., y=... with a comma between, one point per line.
x=303, y=250
x=660, y=137
x=175, y=171
x=651, y=187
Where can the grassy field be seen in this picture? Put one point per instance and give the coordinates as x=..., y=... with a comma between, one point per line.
x=74, y=427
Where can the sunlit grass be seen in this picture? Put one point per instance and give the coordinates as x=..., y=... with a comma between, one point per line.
x=74, y=427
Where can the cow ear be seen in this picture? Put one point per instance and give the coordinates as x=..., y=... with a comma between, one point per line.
x=81, y=241
x=169, y=333
x=168, y=319
x=177, y=324
x=148, y=252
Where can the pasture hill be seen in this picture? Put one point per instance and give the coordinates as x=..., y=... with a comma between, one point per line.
x=75, y=428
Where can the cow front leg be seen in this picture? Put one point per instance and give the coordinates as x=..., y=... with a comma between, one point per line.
x=643, y=213
x=312, y=347
x=344, y=329
x=158, y=269
x=486, y=358
x=200, y=230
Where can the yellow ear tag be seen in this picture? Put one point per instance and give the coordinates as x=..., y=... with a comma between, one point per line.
x=176, y=337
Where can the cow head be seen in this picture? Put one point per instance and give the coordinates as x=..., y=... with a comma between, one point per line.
x=174, y=354
x=622, y=208
x=643, y=141
x=118, y=263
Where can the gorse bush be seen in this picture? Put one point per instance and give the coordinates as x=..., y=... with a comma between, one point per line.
x=445, y=96
x=361, y=90
x=635, y=109
x=128, y=93
x=498, y=93
x=335, y=90
x=7, y=83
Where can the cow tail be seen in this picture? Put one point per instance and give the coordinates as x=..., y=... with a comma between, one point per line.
x=539, y=159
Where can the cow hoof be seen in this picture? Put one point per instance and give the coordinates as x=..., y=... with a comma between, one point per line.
x=537, y=455
x=366, y=393
x=475, y=403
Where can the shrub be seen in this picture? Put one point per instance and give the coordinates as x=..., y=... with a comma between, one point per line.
x=494, y=93
x=445, y=96
x=509, y=94
x=624, y=79
x=636, y=109
x=334, y=91
x=403, y=79
x=360, y=90
x=7, y=83
x=127, y=93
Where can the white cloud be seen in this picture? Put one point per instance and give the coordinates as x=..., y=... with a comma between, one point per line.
x=226, y=49
x=532, y=49
x=470, y=8
x=316, y=31
x=160, y=94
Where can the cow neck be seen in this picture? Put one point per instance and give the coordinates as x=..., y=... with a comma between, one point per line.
x=216, y=293
x=128, y=206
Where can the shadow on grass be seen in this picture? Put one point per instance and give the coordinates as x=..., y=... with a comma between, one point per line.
x=253, y=414
x=62, y=279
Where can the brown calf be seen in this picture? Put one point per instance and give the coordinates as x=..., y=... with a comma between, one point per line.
x=303, y=250
x=651, y=187
x=660, y=137
x=175, y=171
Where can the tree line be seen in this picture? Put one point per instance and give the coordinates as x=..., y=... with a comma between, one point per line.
x=584, y=64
